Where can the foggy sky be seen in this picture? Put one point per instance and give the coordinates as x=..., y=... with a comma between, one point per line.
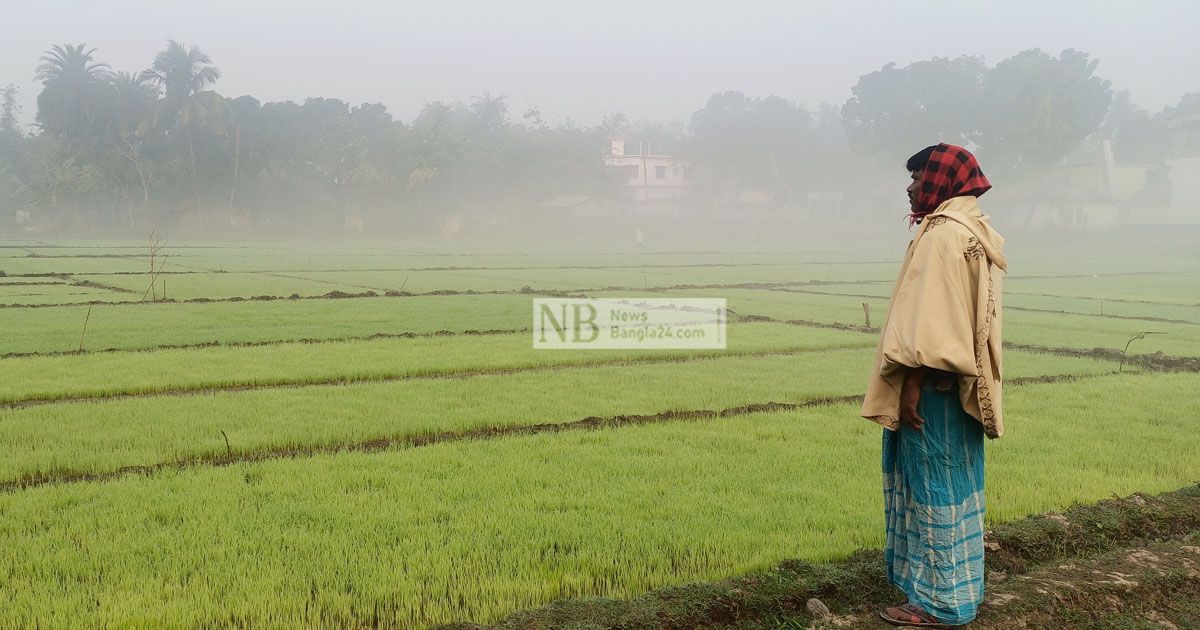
x=652, y=59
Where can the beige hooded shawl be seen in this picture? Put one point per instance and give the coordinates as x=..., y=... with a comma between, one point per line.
x=945, y=314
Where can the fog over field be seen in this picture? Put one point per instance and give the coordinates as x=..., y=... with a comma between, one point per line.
x=647, y=123
x=280, y=287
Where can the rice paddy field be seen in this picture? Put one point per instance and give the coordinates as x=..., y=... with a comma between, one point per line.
x=281, y=435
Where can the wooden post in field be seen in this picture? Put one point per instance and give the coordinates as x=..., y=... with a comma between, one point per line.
x=83, y=334
x=867, y=312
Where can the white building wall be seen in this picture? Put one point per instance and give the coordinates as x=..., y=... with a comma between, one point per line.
x=649, y=171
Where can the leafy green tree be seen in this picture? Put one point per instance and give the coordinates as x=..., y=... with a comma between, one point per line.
x=1025, y=113
x=139, y=144
x=744, y=142
x=12, y=141
x=65, y=165
x=131, y=98
x=187, y=107
x=1040, y=108
x=895, y=111
x=64, y=181
x=1188, y=104
x=13, y=192
x=10, y=111
x=72, y=81
x=1136, y=137
x=1184, y=141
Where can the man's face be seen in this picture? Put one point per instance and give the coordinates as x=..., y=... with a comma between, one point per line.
x=912, y=190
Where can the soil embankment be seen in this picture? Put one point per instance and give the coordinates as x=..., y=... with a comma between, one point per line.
x=1129, y=562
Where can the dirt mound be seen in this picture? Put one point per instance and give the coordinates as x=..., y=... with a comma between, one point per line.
x=1157, y=361
x=341, y=295
x=1136, y=558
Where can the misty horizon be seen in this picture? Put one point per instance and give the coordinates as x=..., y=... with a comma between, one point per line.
x=582, y=63
x=463, y=315
x=455, y=119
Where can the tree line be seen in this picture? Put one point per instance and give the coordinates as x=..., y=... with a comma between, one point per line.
x=127, y=151
x=135, y=149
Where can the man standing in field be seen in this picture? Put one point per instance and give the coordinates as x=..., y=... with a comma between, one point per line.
x=935, y=388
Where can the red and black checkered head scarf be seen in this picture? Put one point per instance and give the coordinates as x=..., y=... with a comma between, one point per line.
x=950, y=172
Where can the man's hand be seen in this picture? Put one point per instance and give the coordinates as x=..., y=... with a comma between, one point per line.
x=910, y=396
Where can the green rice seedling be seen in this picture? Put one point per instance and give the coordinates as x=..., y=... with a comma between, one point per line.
x=1119, y=308
x=476, y=530
x=191, y=286
x=27, y=265
x=1079, y=331
x=59, y=293
x=1180, y=287
x=98, y=375
x=141, y=326
x=551, y=278
x=65, y=439
x=786, y=306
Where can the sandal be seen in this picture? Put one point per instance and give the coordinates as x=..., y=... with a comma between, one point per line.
x=910, y=615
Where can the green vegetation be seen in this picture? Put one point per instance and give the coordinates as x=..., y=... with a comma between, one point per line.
x=1028, y=577
x=1105, y=307
x=1021, y=326
x=23, y=263
x=411, y=537
x=787, y=305
x=254, y=433
x=1081, y=331
x=411, y=459
x=181, y=370
x=307, y=283
x=57, y=293
x=286, y=258
x=1181, y=287
x=143, y=326
x=192, y=286
x=90, y=438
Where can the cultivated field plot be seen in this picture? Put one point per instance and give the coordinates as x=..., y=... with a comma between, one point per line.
x=299, y=434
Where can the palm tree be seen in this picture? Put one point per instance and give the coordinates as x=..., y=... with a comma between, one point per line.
x=184, y=73
x=72, y=79
x=131, y=99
